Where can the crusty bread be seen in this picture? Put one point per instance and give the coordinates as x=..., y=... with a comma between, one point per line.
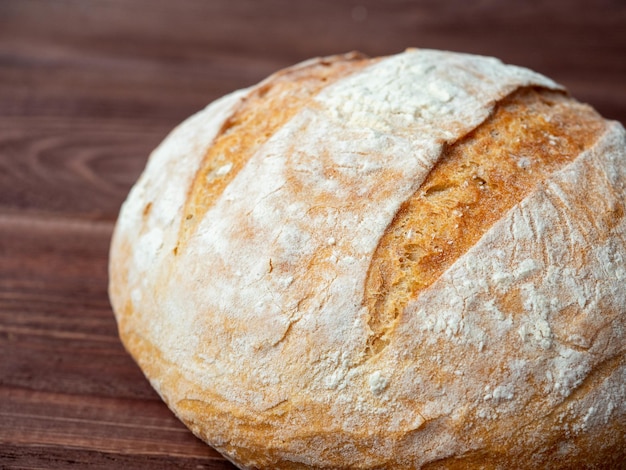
x=416, y=261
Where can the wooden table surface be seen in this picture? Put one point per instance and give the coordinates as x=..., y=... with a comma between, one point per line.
x=89, y=87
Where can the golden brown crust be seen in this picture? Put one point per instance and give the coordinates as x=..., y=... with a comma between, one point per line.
x=531, y=134
x=291, y=325
x=261, y=113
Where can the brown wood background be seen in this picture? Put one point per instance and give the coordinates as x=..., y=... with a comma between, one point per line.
x=89, y=87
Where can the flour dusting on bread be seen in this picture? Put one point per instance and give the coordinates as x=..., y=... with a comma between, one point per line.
x=247, y=309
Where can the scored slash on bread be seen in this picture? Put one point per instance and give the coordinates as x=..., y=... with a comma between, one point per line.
x=402, y=262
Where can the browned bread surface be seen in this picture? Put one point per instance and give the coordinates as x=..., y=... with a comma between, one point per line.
x=407, y=262
x=530, y=134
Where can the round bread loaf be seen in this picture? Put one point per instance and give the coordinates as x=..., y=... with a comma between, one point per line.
x=416, y=261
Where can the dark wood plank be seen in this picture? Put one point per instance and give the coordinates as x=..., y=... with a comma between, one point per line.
x=34, y=457
x=89, y=88
x=85, y=422
x=78, y=167
x=210, y=48
x=56, y=324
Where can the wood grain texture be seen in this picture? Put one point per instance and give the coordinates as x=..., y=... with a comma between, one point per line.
x=88, y=88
